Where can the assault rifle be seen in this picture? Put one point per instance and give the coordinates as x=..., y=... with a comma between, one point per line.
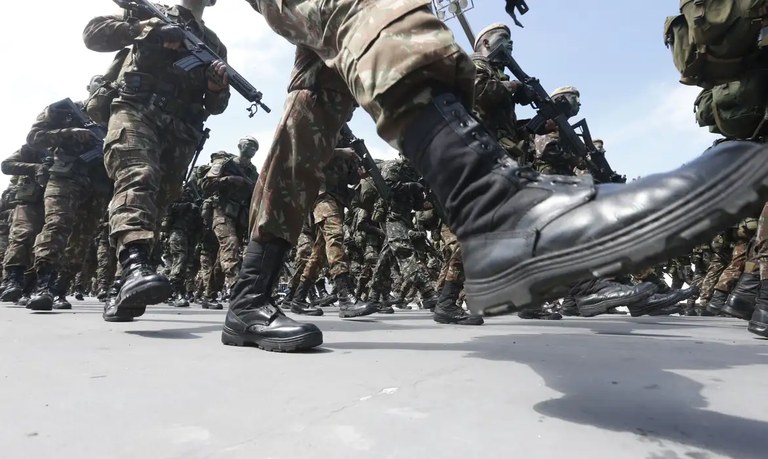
x=202, y=54
x=200, y=146
x=75, y=114
x=547, y=109
x=598, y=165
x=521, y=8
x=367, y=161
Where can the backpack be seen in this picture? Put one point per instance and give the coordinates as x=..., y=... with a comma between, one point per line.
x=736, y=109
x=714, y=41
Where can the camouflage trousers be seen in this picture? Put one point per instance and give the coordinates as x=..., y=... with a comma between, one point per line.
x=180, y=253
x=761, y=243
x=72, y=214
x=303, y=252
x=147, y=155
x=225, y=229
x=329, y=241
x=390, y=56
x=453, y=267
x=209, y=278
x=26, y=223
x=719, y=260
x=412, y=270
x=3, y=246
x=106, y=260
x=731, y=274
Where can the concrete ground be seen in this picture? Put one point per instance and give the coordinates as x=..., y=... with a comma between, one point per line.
x=73, y=386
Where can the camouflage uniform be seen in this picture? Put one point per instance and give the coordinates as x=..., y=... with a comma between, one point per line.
x=495, y=109
x=156, y=121
x=453, y=268
x=6, y=212
x=385, y=54
x=552, y=159
x=75, y=197
x=183, y=224
x=742, y=234
x=231, y=201
x=303, y=252
x=27, y=220
x=106, y=258
x=722, y=249
x=328, y=216
x=368, y=234
x=407, y=195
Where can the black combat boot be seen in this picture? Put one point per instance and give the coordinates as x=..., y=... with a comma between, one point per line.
x=349, y=306
x=15, y=284
x=180, y=300
x=663, y=304
x=545, y=312
x=758, y=324
x=716, y=303
x=690, y=308
x=741, y=301
x=24, y=300
x=285, y=301
x=61, y=303
x=569, y=307
x=79, y=295
x=384, y=307
x=111, y=312
x=44, y=292
x=448, y=312
x=526, y=237
x=141, y=285
x=299, y=304
x=323, y=297
x=597, y=297
x=253, y=319
x=211, y=302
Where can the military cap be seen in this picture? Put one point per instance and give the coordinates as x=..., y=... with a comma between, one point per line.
x=491, y=28
x=566, y=90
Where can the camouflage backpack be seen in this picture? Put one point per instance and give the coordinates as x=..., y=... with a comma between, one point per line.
x=714, y=41
x=736, y=109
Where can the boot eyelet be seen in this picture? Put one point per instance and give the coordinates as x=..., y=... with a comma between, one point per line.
x=463, y=124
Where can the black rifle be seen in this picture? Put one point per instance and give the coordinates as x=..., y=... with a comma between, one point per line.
x=518, y=5
x=200, y=146
x=547, y=109
x=75, y=114
x=598, y=165
x=367, y=161
x=202, y=54
x=232, y=168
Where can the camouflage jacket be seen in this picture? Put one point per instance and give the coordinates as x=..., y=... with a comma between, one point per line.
x=224, y=165
x=53, y=130
x=149, y=69
x=407, y=193
x=551, y=158
x=27, y=164
x=339, y=174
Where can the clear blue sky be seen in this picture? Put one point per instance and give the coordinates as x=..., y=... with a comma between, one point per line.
x=612, y=51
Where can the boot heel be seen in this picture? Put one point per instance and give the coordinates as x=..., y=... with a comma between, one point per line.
x=231, y=339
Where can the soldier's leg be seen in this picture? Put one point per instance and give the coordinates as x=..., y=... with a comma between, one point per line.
x=147, y=164
x=229, y=245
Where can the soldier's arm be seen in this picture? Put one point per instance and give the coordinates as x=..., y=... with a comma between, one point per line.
x=46, y=132
x=217, y=101
x=110, y=33
x=22, y=162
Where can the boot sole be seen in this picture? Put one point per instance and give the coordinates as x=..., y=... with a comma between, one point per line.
x=758, y=328
x=296, y=343
x=135, y=302
x=656, y=238
x=736, y=313
x=601, y=308
x=467, y=321
x=362, y=313
x=40, y=306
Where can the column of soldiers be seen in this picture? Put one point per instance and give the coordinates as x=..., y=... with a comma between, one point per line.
x=479, y=209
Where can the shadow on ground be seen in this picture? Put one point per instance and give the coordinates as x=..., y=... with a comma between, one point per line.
x=621, y=377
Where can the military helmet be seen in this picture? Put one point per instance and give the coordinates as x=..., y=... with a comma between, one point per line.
x=247, y=141
x=566, y=90
x=493, y=27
